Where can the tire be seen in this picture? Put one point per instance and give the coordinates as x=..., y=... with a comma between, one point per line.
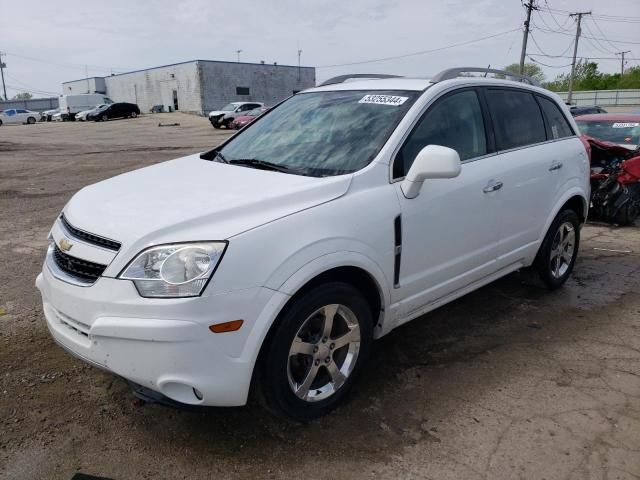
x=103, y=118
x=227, y=124
x=31, y=120
x=554, y=262
x=134, y=114
x=216, y=126
x=0, y=123
x=298, y=347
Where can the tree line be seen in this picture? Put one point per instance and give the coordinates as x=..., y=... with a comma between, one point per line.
x=587, y=77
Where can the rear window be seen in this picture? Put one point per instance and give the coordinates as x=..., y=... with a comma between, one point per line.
x=517, y=119
x=556, y=122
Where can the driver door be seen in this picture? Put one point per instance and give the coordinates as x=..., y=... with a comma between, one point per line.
x=450, y=230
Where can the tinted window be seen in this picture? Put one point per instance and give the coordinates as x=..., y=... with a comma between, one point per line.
x=517, y=120
x=455, y=121
x=557, y=124
x=21, y=111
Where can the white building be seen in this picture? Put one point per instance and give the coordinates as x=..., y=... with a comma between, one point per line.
x=199, y=86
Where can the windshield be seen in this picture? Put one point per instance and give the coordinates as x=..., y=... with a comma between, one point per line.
x=626, y=133
x=323, y=133
x=229, y=107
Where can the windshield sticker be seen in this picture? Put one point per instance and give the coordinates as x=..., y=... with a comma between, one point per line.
x=625, y=125
x=384, y=99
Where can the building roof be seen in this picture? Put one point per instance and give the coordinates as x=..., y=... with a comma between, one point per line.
x=188, y=61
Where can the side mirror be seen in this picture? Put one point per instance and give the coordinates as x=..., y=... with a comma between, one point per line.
x=433, y=161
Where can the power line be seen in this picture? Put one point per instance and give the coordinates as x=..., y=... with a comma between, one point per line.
x=545, y=65
x=422, y=52
x=68, y=65
x=540, y=48
x=603, y=48
x=583, y=58
x=546, y=30
x=615, y=47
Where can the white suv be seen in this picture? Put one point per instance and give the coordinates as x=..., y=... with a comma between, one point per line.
x=272, y=262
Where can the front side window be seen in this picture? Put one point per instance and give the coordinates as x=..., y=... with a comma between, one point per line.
x=323, y=133
x=517, y=120
x=556, y=122
x=455, y=122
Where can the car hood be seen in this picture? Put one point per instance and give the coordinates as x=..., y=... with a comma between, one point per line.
x=215, y=113
x=194, y=199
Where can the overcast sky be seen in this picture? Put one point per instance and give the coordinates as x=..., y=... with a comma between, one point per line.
x=50, y=41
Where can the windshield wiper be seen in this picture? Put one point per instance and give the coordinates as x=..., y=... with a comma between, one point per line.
x=265, y=165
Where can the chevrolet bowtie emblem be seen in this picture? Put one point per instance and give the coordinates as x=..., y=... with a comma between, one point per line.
x=65, y=245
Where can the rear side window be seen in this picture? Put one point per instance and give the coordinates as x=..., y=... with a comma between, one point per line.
x=557, y=124
x=455, y=121
x=517, y=120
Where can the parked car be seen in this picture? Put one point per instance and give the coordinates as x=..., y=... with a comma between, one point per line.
x=18, y=115
x=244, y=120
x=226, y=115
x=72, y=104
x=82, y=116
x=47, y=114
x=114, y=110
x=585, y=110
x=58, y=117
x=274, y=260
x=620, y=128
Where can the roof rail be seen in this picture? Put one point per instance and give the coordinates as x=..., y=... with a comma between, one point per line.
x=456, y=72
x=343, y=78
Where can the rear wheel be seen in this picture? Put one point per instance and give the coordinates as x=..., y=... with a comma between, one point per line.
x=559, y=250
x=134, y=114
x=31, y=120
x=316, y=352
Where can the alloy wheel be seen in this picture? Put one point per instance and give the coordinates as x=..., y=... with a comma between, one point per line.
x=562, y=250
x=323, y=353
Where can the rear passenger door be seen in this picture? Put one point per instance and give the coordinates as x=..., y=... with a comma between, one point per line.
x=528, y=171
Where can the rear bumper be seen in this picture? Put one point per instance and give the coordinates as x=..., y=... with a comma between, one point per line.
x=163, y=345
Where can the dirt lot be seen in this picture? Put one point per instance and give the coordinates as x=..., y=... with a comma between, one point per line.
x=509, y=382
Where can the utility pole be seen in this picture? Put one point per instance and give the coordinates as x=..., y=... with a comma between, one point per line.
x=530, y=6
x=300, y=53
x=622, y=62
x=2, y=67
x=238, y=52
x=575, y=52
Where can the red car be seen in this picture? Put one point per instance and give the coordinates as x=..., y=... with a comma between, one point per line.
x=247, y=118
x=620, y=128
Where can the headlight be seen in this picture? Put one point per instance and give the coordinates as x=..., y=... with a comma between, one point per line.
x=175, y=270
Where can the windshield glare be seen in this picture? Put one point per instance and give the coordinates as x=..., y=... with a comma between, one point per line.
x=323, y=133
x=617, y=132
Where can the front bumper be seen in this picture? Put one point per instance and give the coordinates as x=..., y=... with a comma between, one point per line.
x=162, y=344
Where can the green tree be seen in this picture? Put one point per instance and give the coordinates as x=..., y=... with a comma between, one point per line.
x=23, y=96
x=530, y=69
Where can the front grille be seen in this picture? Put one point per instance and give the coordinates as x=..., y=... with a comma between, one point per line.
x=90, y=237
x=80, y=269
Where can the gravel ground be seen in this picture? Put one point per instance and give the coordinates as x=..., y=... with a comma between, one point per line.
x=509, y=382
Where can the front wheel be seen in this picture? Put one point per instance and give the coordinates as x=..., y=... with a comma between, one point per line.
x=316, y=352
x=559, y=250
x=31, y=120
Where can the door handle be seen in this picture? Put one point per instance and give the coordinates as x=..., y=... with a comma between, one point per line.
x=555, y=166
x=492, y=186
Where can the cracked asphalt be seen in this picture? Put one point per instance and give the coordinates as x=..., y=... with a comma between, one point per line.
x=509, y=382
